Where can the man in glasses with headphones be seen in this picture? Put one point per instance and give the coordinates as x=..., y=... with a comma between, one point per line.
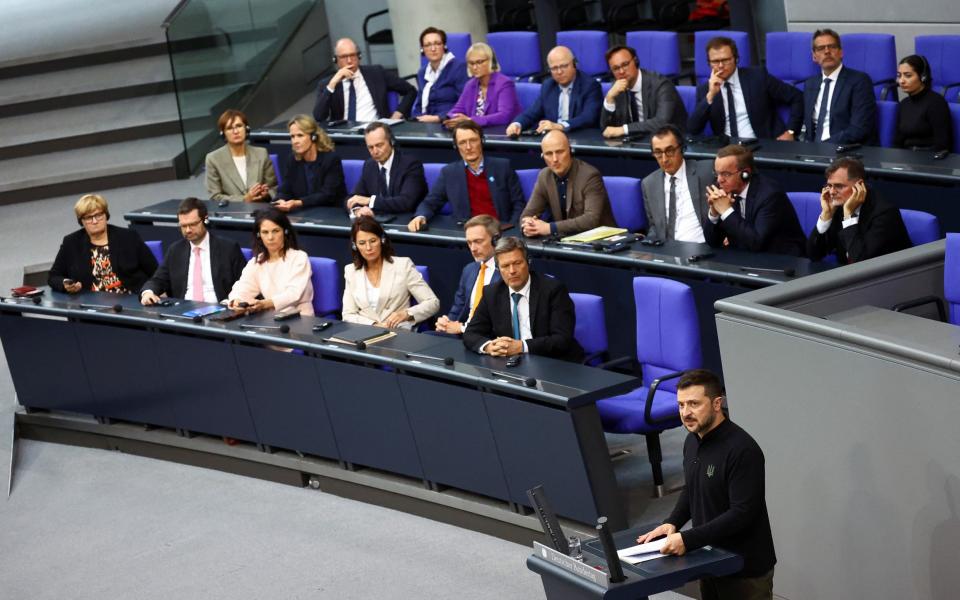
x=200, y=267
x=482, y=232
x=675, y=194
x=749, y=211
x=391, y=181
x=639, y=101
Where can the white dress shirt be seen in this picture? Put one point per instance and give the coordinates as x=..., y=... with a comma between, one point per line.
x=366, y=109
x=744, y=129
x=824, y=226
x=241, y=163
x=687, y=227
x=637, y=95
x=209, y=294
x=430, y=76
x=825, y=134
x=523, y=312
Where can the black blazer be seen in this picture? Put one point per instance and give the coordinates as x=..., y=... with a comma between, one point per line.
x=770, y=225
x=552, y=319
x=879, y=230
x=661, y=106
x=406, y=189
x=379, y=81
x=132, y=261
x=762, y=92
x=326, y=178
x=853, y=111
x=226, y=263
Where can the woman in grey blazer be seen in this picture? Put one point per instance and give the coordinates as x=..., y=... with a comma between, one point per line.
x=238, y=172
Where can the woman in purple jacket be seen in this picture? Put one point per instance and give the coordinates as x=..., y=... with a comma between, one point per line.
x=490, y=97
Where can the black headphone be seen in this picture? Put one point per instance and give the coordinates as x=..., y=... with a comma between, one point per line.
x=925, y=75
x=744, y=175
x=359, y=57
x=314, y=137
x=106, y=213
x=223, y=134
x=353, y=245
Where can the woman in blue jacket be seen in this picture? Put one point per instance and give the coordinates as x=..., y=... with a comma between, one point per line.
x=441, y=79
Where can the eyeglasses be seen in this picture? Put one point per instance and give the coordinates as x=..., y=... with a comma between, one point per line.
x=727, y=174
x=826, y=47
x=190, y=225
x=235, y=126
x=669, y=152
x=622, y=66
x=348, y=56
x=433, y=45
x=476, y=63
x=93, y=218
x=471, y=141
x=719, y=62
x=558, y=68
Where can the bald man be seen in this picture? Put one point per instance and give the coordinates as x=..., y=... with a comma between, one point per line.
x=567, y=102
x=359, y=93
x=572, y=190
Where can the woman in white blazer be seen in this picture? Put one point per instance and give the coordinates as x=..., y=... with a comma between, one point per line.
x=379, y=285
x=237, y=171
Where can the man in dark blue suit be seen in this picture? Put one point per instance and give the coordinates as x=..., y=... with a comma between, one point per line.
x=481, y=233
x=473, y=185
x=838, y=105
x=567, y=101
x=749, y=211
x=391, y=181
x=742, y=102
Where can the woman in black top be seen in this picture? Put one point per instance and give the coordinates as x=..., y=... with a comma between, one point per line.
x=313, y=175
x=924, y=121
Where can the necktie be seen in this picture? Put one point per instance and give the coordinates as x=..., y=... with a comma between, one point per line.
x=516, y=315
x=351, y=100
x=382, y=182
x=672, y=210
x=197, y=275
x=741, y=206
x=632, y=108
x=478, y=292
x=563, y=112
x=823, y=110
x=731, y=111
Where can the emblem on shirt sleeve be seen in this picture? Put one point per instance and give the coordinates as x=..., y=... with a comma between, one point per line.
x=710, y=470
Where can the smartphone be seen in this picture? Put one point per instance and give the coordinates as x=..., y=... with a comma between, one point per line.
x=69, y=281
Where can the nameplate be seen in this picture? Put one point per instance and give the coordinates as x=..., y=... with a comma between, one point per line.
x=571, y=565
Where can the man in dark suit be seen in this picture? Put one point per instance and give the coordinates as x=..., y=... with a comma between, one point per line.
x=839, y=105
x=199, y=267
x=568, y=101
x=749, y=211
x=639, y=101
x=855, y=223
x=474, y=185
x=523, y=313
x=742, y=102
x=391, y=181
x=359, y=93
x=675, y=195
x=481, y=232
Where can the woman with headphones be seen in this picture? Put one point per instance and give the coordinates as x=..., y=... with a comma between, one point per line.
x=100, y=257
x=236, y=171
x=490, y=97
x=279, y=272
x=924, y=121
x=440, y=80
x=379, y=286
x=313, y=174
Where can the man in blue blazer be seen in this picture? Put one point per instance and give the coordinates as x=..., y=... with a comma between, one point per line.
x=391, y=181
x=752, y=93
x=474, y=185
x=481, y=233
x=568, y=101
x=849, y=114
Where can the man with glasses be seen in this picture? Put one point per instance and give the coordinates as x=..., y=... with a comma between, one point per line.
x=359, y=93
x=639, y=101
x=838, y=104
x=566, y=102
x=749, y=211
x=200, y=267
x=742, y=102
x=854, y=223
x=675, y=194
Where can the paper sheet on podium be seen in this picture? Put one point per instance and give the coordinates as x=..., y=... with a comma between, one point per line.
x=642, y=552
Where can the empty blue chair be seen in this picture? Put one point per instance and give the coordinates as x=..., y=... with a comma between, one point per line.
x=247, y=253
x=276, y=168
x=425, y=273
x=626, y=201
x=922, y=227
x=701, y=67
x=528, y=179
x=527, y=93
x=458, y=42
x=352, y=168
x=605, y=87
x=887, y=111
x=589, y=47
x=790, y=56
x=668, y=343
x=591, y=327
x=326, y=280
x=807, y=207
x=951, y=277
x=518, y=52
x=688, y=94
x=156, y=248
x=876, y=55
x=955, y=117
x=431, y=171
x=657, y=51
x=941, y=52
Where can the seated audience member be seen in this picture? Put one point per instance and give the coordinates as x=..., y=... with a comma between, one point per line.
x=572, y=189
x=749, y=211
x=202, y=267
x=100, y=257
x=359, y=93
x=313, y=174
x=741, y=102
x=391, y=181
x=639, y=101
x=237, y=171
x=379, y=286
x=854, y=223
x=924, y=121
x=481, y=232
x=674, y=196
x=473, y=185
x=441, y=80
x=278, y=276
x=524, y=312
x=489, y=97
x=845, y=95
x=567, y=101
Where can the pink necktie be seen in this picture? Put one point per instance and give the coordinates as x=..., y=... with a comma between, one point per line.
x=197, y=275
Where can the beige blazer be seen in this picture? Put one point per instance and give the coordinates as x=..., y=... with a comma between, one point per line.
x=223, y=179
x=399, y=281
x=286, y=282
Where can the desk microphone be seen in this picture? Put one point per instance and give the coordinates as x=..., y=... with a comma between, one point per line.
x=525, y=381
x=281, y=328
x=609, y=551
x=447, y=360
x=194, y=318
x=222, y=213
x=117, y=308
x=788, y=271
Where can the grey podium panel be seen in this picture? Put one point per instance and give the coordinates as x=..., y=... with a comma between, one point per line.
x=285, y=400
x=453, y=436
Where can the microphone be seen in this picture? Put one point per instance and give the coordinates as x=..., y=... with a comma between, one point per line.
x=788, y=271
x=609, y=551
x=282, y=328
x=525, y=381
x=117, y=308
x=447, y=360
x=194, y=318
x=37, y=300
